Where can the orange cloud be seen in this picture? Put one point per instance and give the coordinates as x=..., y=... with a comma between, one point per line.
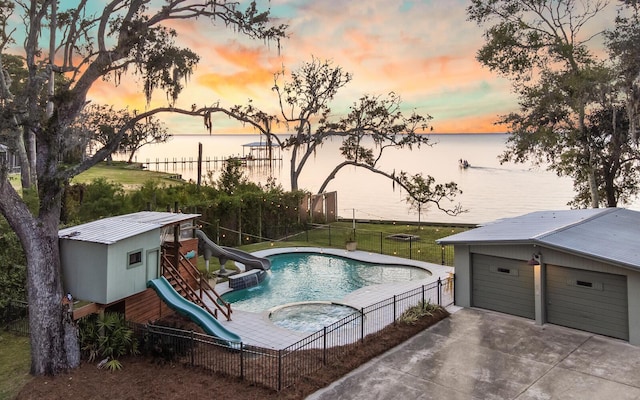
x=243, y=82
x=241, y=56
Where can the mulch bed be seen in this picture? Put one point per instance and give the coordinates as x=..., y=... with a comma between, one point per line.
x=145, y=378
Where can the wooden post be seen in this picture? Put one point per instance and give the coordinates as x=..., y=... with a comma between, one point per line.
x=199, y=163
x=176, y=245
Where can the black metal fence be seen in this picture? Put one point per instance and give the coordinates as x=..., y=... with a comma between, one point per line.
x=405, y=246
x=15, y=317
x=278, y=369
x=273, y=368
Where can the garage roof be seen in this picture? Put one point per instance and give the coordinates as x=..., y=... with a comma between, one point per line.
x=608, y=234
x=113, y=229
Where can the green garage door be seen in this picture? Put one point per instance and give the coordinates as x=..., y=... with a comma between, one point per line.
x=586, y=300
x=503, y=285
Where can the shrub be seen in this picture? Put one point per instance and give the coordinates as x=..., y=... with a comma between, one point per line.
x=107, y=336
x=413, y=314
x=13, y=268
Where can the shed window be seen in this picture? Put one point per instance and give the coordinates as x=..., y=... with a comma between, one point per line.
x=134, y=258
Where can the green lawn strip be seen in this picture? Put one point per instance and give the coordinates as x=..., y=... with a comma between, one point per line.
x=14, y=179
x=371, y=237
x=131, y=176
x=14, y=364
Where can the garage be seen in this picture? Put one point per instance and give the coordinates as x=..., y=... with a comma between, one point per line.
x=503, y=285
x=587, y=300
x=574, y=268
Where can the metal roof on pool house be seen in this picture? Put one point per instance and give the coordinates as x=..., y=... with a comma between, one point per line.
x=113, y=229
x=607, y=234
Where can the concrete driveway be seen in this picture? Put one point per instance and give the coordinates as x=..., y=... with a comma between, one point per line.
x=478, y=354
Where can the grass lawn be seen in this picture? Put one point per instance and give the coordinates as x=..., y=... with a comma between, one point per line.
x=131, y=176
x=15, y=362
x=427, y=233
x=15, y=182
x=373, y=237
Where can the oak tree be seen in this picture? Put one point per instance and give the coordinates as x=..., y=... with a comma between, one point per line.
x=543, y=47
x=85, y=44
x=373, y=124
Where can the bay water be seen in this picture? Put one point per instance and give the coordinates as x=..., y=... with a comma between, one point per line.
x=490, y=190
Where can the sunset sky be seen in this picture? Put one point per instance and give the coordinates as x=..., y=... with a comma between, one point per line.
x=422, y=50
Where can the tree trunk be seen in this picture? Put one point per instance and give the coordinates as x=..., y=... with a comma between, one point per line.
x=593, y=184
x=293, y=171
x=591, y=168
x=54, y=338
x=23, y=159
x=33, y=159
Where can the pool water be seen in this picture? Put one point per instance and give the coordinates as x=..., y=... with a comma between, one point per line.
x=299, y=277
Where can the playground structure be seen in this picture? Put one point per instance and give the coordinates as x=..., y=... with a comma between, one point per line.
x=140, y=265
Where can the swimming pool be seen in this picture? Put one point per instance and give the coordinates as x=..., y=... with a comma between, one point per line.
x=307, y=277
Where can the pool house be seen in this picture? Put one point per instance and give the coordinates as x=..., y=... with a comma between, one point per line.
x=107, y=263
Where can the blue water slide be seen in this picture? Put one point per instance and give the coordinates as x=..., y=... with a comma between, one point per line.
x=196, y=313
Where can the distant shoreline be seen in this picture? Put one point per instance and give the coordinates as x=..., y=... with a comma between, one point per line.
x=288, y=134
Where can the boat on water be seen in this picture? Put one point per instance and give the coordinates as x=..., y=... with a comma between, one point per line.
x=463, y=163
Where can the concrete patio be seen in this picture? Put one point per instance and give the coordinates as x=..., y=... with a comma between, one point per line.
x=477, y=354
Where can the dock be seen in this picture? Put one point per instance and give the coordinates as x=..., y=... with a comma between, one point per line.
x=215, y=161
x=259, y=153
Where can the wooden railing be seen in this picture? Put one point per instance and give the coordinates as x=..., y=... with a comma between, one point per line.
x=204, y=289
x=180, y=284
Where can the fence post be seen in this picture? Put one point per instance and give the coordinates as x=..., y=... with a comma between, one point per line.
x=362, y=324
x=279, y=370
x=242, y=360
x=410, y=248
x=439, y=291
x=193, y=345
x=324, y=345
x=394, y=309
x=442, y=255
x=423, y=303
x=381, y=251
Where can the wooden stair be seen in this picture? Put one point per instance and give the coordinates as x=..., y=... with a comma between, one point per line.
x=182, y=285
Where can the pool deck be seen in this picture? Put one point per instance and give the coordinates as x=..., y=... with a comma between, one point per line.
x=256, y=329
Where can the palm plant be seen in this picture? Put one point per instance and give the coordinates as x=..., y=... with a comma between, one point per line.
x=107, y=336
